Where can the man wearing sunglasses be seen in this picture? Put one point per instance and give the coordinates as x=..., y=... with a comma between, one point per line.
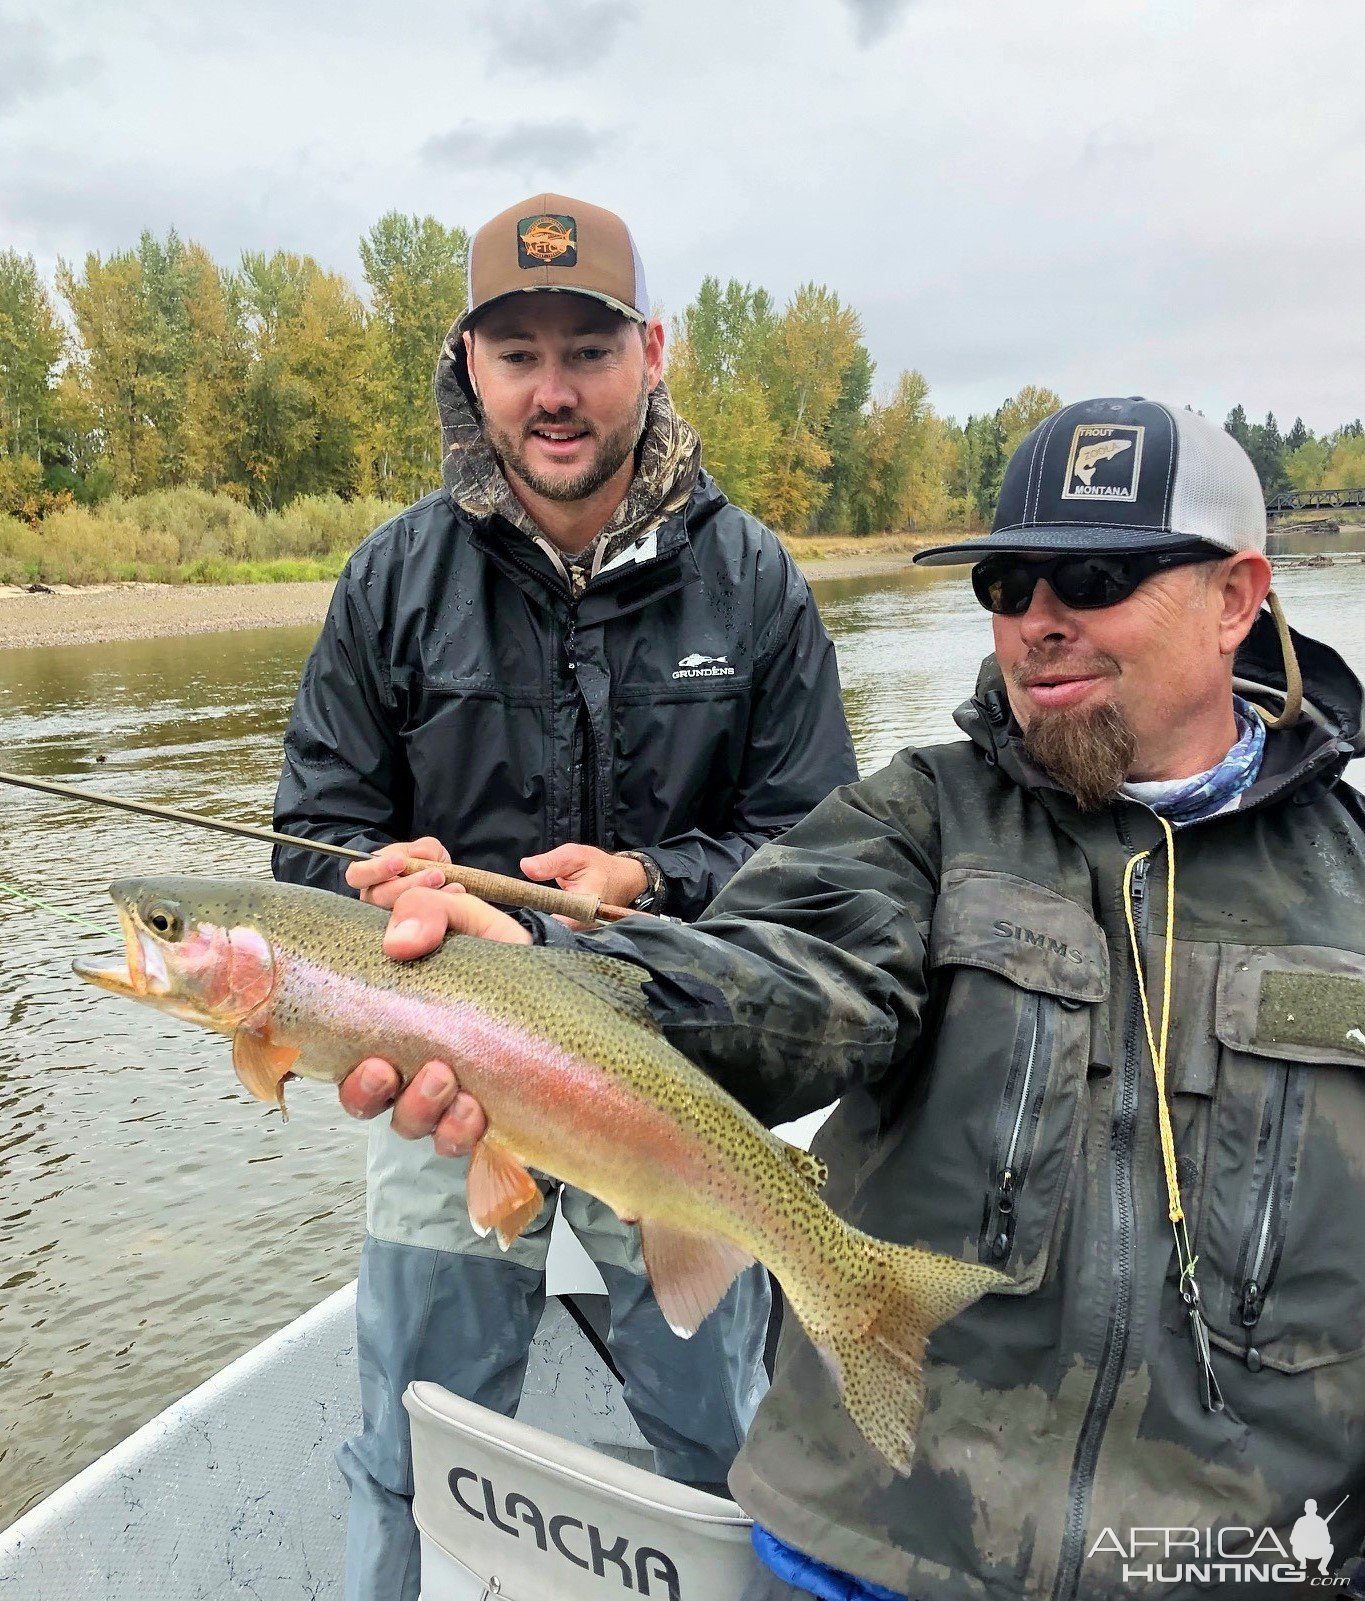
x=1089, y=987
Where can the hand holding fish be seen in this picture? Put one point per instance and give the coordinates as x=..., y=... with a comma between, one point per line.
x=561, y=1069
x=433, y=1104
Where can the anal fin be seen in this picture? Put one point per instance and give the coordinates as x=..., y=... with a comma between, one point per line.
x=689, y=1272
x=501, y=1193
x=262, y=1065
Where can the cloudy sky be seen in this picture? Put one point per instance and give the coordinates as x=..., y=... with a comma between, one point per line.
x=1134, y=197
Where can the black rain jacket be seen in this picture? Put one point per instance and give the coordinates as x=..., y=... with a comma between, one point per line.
x=688, y=702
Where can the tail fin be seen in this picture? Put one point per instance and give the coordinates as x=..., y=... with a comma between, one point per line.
x=875, y=1350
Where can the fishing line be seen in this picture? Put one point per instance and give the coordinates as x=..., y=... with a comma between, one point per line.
x=57, y=911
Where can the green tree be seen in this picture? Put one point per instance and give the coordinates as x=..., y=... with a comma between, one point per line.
x=1265, y=446
x=1022, y=413
x=119, y=365
x=32, y=345
x=850, y=441
x=1306, y=467
x=1297, y=437
x=717, y=365
x=1346, y=468
x=206, y=450
x=302, y=406
x=158, y=365
x=1236, y=425
x=902, y=482
x=814, y=344
x=980, y=466
x=416, y=270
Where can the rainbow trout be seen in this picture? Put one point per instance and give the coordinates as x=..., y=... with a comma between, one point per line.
x=576, y=1080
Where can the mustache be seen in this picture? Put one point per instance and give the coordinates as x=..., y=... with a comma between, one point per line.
x=1041, y=664
x=544, y=420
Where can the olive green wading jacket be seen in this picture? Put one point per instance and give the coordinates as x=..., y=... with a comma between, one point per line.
x=943, y=947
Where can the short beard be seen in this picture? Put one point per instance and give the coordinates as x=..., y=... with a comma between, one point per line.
x=1090, y=753
x=611, y=455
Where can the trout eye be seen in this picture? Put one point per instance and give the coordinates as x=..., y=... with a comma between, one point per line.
x=164, y=921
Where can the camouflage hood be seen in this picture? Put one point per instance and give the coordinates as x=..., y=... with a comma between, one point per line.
x=668, y=459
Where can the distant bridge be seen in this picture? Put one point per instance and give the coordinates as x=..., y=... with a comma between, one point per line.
x=1312, y=500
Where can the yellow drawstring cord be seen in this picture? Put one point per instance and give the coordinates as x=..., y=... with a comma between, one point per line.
x=1189, y=1288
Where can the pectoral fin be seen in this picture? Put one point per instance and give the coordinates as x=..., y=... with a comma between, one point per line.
x=501, y=1193
x=262, y=1065
x=688, y=1272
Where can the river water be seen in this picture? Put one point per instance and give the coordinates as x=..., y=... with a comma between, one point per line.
x=154, y=1222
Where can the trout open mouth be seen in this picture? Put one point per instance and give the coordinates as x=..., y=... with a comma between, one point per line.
x=144, y=977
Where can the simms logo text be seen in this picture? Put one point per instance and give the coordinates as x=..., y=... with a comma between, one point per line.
x=1030, y=936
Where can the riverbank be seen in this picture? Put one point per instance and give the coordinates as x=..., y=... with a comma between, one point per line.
x=96, y=613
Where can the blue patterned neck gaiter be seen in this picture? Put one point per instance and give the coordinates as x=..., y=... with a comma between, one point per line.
x=1188, y=800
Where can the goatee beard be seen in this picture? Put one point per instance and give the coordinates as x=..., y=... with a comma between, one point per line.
x=1089, y=753
x=612, y=453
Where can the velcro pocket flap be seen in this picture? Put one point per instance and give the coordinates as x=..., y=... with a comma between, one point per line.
x=1295, y=1003
x=1029, y=934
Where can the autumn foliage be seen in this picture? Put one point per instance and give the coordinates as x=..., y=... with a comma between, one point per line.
x=161, y=414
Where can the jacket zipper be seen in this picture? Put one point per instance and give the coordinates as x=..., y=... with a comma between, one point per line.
x=590, y=801
x=1259, y=1258
x=1123, y=1210
x=1009, y=1159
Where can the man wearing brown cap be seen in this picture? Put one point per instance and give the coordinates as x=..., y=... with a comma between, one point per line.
x=579, y=657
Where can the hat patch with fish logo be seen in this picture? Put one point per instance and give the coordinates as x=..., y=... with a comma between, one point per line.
x=547, y=240
x=1105, y=461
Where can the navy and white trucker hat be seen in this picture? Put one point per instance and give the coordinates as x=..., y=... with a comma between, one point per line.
x=1120, y=475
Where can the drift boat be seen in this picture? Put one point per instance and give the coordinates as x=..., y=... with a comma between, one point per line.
x=234, y=1491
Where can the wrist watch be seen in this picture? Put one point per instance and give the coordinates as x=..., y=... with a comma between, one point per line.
x=651, y=897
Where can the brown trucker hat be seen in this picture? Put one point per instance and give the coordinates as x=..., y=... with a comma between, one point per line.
x=552, y=242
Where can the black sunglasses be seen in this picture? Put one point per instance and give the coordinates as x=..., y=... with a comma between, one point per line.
x=1004, y=584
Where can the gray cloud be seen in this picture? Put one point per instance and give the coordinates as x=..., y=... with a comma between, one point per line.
x=874, y=19
x=1082, y=242
x=54, y=207
x=525, y=146
x=32, y=65
x=553, y=35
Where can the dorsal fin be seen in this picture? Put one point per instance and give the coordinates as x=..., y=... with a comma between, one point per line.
x=811, y=1168
x=620, y=984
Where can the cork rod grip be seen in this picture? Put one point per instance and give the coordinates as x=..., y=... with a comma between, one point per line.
x=505, y=891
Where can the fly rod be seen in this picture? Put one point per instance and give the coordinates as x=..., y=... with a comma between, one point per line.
x=496, y=887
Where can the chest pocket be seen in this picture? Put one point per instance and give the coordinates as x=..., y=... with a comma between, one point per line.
x=1280, y=1232
x=1018, y=972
